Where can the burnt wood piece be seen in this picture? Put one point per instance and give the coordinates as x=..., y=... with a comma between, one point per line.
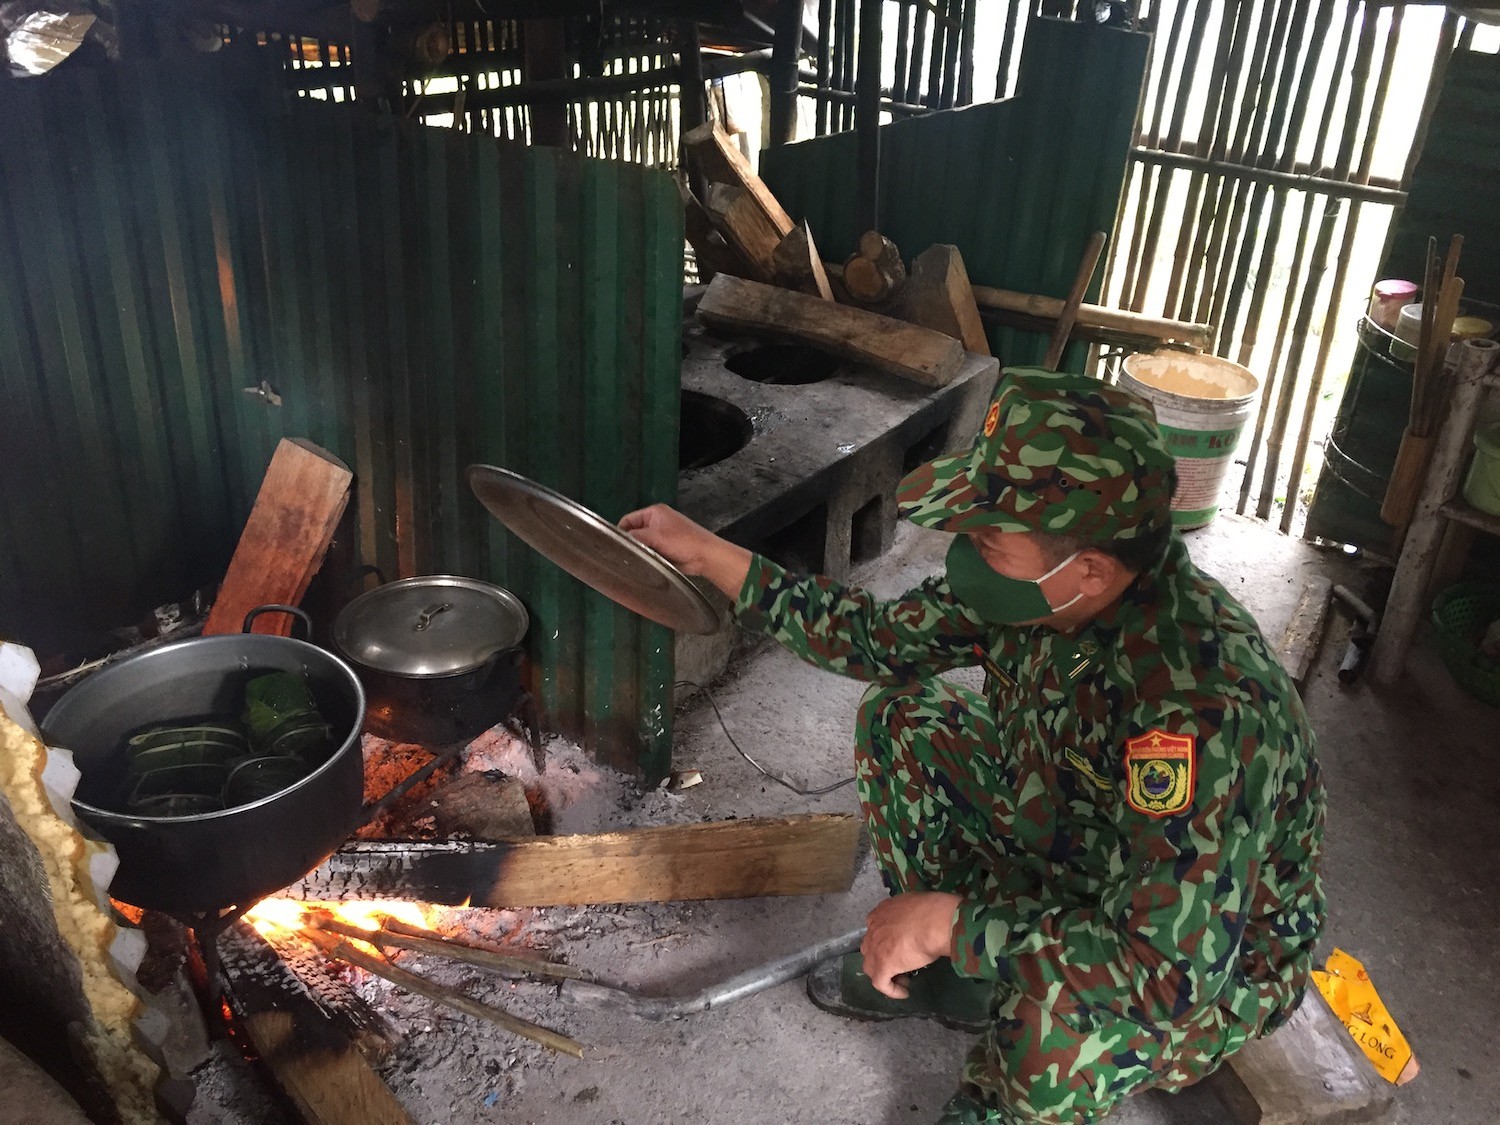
x=875, y=272
x=801, y=855
x=304, y=493
x=315, y=1058
x=938, y=296
x=921, y=355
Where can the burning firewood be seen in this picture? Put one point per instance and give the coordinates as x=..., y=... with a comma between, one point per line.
x=398, y=935
x=340, y=949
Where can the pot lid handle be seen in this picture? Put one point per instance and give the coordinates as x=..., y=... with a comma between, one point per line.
x=424, y=618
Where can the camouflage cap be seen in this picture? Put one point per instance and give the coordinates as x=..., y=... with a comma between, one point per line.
x=1059, y=453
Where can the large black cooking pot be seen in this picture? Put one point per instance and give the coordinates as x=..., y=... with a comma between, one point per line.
x=200, y=864
x=439, y=656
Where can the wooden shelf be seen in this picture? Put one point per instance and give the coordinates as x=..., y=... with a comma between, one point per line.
x=1461, y=512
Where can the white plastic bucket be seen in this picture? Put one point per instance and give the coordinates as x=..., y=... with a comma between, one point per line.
x=1202, y=403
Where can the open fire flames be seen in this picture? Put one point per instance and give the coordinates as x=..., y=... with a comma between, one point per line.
x=276, y=918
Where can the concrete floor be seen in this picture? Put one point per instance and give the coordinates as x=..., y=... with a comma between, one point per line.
x=1413, y=800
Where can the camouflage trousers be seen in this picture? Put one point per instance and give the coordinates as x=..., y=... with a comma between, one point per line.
x=929, y=801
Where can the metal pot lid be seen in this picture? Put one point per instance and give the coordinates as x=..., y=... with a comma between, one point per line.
x=594, y=551
x=433, y=625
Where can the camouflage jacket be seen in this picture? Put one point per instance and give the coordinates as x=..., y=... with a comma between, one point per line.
x=1104, y=899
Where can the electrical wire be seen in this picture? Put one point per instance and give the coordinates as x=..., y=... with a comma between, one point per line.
x=778, y=778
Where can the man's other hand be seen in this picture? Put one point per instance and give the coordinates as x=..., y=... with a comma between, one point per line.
x=907, y=932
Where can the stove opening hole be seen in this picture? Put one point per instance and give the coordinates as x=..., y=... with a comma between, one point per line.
x=711, y=430
x=785, y=365
x=929, y=446
x=801, y=545
x=871, y=531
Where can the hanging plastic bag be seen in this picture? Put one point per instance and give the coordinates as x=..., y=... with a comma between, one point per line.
x=1347, y=988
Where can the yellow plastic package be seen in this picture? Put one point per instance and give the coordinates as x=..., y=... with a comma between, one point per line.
x=1347, y=988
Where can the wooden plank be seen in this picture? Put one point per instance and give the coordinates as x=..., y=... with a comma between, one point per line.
x=720, y=160
x=299, y=505
x=938, y=296
x=312, y=1059
x=1304, y=633
x=1309, y=1072
x=1069, y=312
x=919, y=354
x=798, y=266
x=800, y=855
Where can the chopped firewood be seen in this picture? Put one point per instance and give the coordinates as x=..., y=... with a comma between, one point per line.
x=797, y=265
x=799, y=855
x=394, y=934
x=745, y=227
x=867, y=338
x=341, y=950
x=314, y=1057
x=938, y=296
x=477, y=804
x=874, y=273
x=715, y=154
x=713, y=254
x=301, y=499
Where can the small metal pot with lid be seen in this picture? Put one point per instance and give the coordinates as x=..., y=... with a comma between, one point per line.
x=439, y=657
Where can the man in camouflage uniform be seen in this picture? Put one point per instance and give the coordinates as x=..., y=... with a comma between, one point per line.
x=1120, y=835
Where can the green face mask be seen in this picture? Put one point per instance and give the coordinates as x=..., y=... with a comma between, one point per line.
x=995, y=597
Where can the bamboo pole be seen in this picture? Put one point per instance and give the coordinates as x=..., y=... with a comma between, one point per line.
x=340, y=950
x=824, y=62
x=1013, y=10
x=1094, y=316
x=1271, y=464
x=903, y=49
x=918, y=54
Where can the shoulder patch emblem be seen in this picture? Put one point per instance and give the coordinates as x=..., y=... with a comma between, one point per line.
x=1161, y=772
x=991, y=420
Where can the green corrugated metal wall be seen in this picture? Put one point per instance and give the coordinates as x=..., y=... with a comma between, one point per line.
x=1017, y=185
x=1455, y=186
x=419, y=299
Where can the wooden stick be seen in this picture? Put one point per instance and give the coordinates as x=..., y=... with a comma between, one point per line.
x=341, y=950
x=398, y=935
x=1095, y=316
x=1069, y=312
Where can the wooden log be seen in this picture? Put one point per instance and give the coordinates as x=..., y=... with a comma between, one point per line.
x=919, y=354
x=1069, y=312
x=797, y=265
x=801, y=855
x=1406, y=480
x=744, y=227
x=313, y=1059
x=477, y=805
x=719, y=159
x=938, y=296
x=1095, y=316
x=875, y=272
x=296, y=511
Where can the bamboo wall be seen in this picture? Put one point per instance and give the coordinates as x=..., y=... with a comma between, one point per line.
x=417, y=300
x=1017, y=185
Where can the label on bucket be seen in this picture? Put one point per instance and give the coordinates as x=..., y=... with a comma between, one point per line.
x=1200, y=443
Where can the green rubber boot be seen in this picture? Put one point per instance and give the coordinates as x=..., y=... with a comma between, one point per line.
x=935, y=992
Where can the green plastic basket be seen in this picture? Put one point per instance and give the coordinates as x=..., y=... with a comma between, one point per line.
x=1461, y=614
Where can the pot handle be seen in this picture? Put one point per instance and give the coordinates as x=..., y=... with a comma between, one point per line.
x=300, y=615
x=493, y=663
x=360, y=573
